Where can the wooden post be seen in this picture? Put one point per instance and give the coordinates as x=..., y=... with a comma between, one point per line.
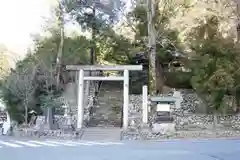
x=177, y=95
x=145, y=104
x=125, y=99
x=80, y=100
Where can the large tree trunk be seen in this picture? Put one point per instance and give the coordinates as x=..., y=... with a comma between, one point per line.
x=26, y=114
x=152, y=44
x=60, y=48
x=159, y=77
x=48, y=118
x=215, y=120
x=237, y=101
x=238, y=21
x=59, y=58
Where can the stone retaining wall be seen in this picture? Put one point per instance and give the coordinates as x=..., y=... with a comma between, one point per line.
x=185, y=119
x=185, y=116
x=205, y=134
x=188, y=124
x=206, y=121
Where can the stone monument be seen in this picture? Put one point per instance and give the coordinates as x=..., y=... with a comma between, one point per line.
x=6, y=121
x=6, y=125
x=163, y=121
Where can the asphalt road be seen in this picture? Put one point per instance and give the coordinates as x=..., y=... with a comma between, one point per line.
x=29, y=149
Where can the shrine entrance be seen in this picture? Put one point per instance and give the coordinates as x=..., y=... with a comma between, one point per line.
x=106, y=108
x=82, y=78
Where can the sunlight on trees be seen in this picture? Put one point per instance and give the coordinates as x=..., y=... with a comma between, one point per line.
x=200, y=36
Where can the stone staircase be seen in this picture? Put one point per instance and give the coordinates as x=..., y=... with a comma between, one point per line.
x=101, y=134
x=109, y=108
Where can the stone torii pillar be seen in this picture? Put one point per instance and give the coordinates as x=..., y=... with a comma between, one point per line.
x=124, y=78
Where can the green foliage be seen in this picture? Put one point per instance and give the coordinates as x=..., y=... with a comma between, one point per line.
x=12, y=105
x=178, y=79
x=214, y=64
x=44, y=89
x=215, y=67
x=113, y=48
x=81, y=12
x=167, y=39
x=75, y=50
x=17, y=90
x=50, y=101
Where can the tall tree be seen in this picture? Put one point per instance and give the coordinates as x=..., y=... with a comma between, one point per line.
x=151, y=9
x=164, y=39
x=216, y=63
x=93, y=16
x=60, y=22
x=21, y=84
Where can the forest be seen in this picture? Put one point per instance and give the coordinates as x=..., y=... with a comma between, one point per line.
x=195, y=46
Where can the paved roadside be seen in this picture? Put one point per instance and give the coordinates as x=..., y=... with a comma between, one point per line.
x=134, y=150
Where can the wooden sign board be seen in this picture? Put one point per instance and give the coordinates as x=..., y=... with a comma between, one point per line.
x=163, y=108
x=159, y=99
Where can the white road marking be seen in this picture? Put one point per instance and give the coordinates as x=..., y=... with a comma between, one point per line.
x=54, y=143
x=97, y=143
x=10, y=144
x=61, y=143
x=79, y=143
x=114, y=143
x=44, y=143
x=27, y=144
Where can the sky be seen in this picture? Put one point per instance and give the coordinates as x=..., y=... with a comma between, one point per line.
x=20, y=18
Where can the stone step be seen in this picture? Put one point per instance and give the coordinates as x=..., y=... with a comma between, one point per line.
x=100, y=137
x=102, y=129
x=97, y=133
x=105, y=138
x=104, y=123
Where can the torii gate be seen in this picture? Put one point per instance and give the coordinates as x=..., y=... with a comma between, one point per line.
x=124, y=78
